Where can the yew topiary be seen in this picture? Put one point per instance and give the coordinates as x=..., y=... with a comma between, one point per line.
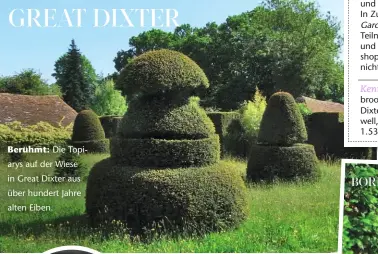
x=190, y=200
x=160, y=118
x=283, y=163
x=88, y=133
x=281, y=153
x=282, y=122
x=165, y=167
x=161, y=71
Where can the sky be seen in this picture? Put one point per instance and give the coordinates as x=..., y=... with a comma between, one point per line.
x=39, y=47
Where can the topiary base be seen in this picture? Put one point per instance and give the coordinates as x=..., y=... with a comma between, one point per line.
x=93, y=146
x=161, y=153
x=270, y=163
x=188, y=200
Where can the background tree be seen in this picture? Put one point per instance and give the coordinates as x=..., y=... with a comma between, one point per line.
x=108, y=100
x=76, y=77
x=280, y=45
x=27, y=82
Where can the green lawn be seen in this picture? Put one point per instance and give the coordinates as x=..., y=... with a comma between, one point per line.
x=284, y=218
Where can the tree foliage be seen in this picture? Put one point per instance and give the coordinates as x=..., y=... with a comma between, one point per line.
x=76, y=77
x=280, y=45
x=108, y=101
x=27, y=82
x=251, y=115
x=360, y=210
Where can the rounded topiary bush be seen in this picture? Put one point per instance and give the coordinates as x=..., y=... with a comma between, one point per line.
x=88, y=133
x=161, y=71
x=87, y=126
x=282, y=122
x=161, y=118
x=190, y=200
x=270, y=163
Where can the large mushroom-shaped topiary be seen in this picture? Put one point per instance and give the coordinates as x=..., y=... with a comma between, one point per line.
x=161, y=71
x=165, y=158
x=88, y=133
x=281, y=153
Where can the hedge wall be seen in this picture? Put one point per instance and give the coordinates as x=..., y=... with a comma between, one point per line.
x=326, y=133
x=231, y=134
x=110, y=125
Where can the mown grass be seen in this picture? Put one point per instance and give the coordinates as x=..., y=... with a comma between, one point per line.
x=283, y=218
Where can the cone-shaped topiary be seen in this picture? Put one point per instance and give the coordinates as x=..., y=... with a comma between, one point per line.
x=164, y=167
x=282, y=122
x=88, y=133
x=161, y=71
x=281, y=154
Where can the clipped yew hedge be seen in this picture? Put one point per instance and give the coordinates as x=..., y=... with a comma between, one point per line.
x=190, y=200
x=159, y=117
x=232, y=135
x=271, y=163
x=326, y=133
x=222, y=120
x=165, y=153
x=93, y=146
x=110, y=125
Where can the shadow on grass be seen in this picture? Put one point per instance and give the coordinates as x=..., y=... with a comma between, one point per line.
x=78, y=227
x=71, y=226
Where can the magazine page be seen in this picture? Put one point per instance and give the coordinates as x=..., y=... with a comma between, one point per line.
x=168, y=126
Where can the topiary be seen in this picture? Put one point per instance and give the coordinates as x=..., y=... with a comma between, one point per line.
x=161, y=118
x=190, y=200
x=282, y=122
x=160, y=133
x=161, y=71
x=287, y=163
x=164, y=167
x=279, y=155
x=171, y=153
x=110, y=125
x=76, y=168
x=87, y=126
x=88, y=133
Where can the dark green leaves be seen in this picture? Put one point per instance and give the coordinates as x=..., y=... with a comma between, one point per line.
x=360, y=234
